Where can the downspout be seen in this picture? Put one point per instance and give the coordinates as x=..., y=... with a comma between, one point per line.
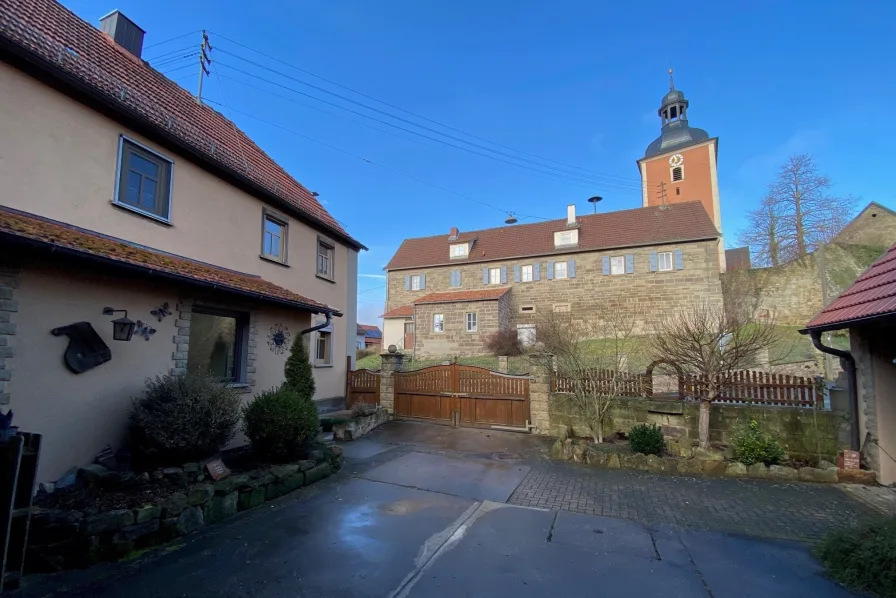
x=849, y=361
x=329, y=319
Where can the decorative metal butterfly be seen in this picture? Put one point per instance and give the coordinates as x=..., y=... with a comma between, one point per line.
x=143, y=329
x=161, y=312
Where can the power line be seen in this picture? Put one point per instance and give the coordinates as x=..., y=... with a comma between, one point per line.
x=173, y=59
x=164, y=54
x=362, y=94
x=171, y=39
x=383, y=166
x=554, y=176
x=180, y=68
x=596, y=178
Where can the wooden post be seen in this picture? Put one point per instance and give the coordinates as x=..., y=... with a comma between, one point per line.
x=348, y=376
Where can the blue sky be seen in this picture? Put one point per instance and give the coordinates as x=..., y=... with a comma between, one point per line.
x=573, y=81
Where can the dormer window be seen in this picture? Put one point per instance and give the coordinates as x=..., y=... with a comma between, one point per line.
x=566, y=238
x=460, y=250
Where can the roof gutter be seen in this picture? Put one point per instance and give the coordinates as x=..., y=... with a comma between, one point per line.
x=63, y=79
x=847, y=360
x=145, y=270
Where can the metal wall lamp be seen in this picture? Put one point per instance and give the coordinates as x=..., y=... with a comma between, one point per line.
x=122, y=328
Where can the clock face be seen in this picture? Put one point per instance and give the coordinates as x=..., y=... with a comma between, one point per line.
x=676, y=160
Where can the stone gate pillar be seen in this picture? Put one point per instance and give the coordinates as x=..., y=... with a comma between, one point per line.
x=391, y=362
x=539, y=393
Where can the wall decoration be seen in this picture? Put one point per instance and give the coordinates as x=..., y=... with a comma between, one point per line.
x=143, y=329
x=278, y=338
x=85, y=350
x=161, y=312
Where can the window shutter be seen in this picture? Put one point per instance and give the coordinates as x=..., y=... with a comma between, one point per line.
x=536, y=271
x=679, y=259
x=654, y=265
x=571, y=268
x=407, y=282
x=485, y=276
x=516, y=274
x=629, y=263
x=422, y=281
x=453, y=282
x=503, y=274
x=460, y=278
x=550, y=271
x=606, y=265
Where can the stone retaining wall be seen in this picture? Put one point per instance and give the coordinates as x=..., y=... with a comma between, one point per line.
x=804, y=433
x=74, y=539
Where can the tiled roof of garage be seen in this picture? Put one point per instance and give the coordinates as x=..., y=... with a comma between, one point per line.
x=453, y=297
x=405, y=311
x=873, y=294
x=673, y=223
x=81, y=243
x=68, y=47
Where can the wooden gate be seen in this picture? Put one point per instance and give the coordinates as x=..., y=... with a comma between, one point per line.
x=463, y=395
x=362, y=386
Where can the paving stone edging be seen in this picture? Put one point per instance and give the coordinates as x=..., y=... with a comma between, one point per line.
x=702, y=464
x=60, y=540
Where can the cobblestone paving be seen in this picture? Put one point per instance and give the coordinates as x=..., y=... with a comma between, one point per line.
x=803, y=512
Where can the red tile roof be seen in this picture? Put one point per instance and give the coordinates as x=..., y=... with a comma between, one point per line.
x=60, y=41
x=627, y=228
x=369, y=327
x=405, y=311
x=15, y=225
x=452, y=297
x=872, y=294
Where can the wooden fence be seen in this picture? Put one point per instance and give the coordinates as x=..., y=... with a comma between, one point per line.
x=361, y=386
x=746, y=387
x=624, y=384
x=759, y=388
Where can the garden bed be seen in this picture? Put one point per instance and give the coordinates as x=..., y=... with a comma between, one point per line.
x=700, y=462
x=110, y=515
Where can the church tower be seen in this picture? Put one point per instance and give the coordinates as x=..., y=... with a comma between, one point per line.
x=680, y=164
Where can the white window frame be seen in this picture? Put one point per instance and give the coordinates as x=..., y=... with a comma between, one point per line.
x=416, y=279
x=471, y=323
x=659, y=261
x=561, y=270
x=494, y=275
x=116, y=200
x=617, y=265
x=672, y=173
x=325, y=335
x=526, y=273
x=329, y=258
x=460, y=250
x=438, y=323
x=283, y=223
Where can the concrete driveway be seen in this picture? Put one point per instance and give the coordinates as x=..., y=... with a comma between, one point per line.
x=422, y=511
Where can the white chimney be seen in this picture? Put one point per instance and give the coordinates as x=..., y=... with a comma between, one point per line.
x=571, y=215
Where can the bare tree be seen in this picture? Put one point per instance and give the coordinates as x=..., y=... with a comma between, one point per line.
x=712, y=342
x=592, y=358
x=764, y=235
x=807, y=211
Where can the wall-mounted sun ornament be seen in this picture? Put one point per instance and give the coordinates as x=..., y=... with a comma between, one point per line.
x=278, y=338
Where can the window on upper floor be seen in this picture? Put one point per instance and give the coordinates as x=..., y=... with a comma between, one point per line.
x=678, y=173
x=494, y=275
x=617, y=264
x=664, y=261
x=566, y=237
x=325, y=253
x=144, y=180
x=526, y=273
x=273, y=236
x=460, y=250
x=560, y=270
x=416, y=282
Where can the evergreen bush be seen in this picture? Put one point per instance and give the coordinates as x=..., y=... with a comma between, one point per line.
x=647, y=439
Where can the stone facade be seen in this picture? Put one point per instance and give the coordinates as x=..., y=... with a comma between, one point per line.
x=9, y=282
x=491, y=316
x=875, y=225
x=653, y=295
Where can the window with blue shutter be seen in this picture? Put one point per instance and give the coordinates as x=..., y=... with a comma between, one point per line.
x=571, y=268
x=606, y=265
x=550, y=269
x=422, y=281
x=407, y=282
x=503, y=274
x=653, y=262
x=455, y=278
x=485, y=276
x=629, y=263
x=516, y=274
x=536, y=271
x=679, y=259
